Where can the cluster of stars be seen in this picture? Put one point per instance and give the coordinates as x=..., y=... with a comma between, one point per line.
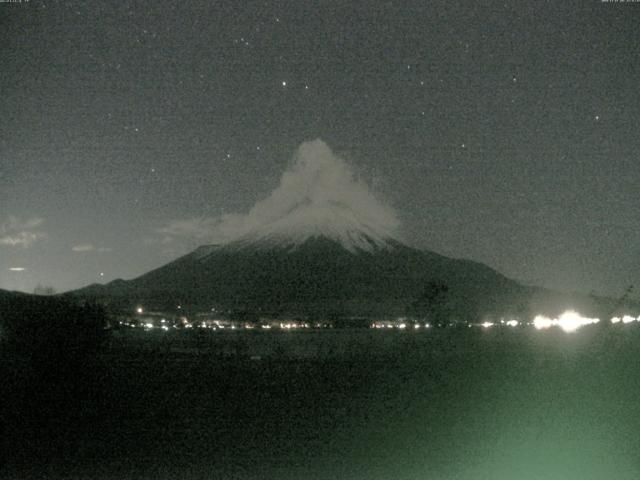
x=242, y=40
x=285, y=84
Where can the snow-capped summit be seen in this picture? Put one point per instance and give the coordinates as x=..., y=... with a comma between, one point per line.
x=334, y=222
x=318, y=196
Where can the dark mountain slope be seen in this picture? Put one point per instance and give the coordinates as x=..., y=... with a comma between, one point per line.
x=318, y=276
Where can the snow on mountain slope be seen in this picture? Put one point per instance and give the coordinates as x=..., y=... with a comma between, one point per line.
x=318, y=196
x=337, y=223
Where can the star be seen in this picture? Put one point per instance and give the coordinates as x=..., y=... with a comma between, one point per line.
x=597, y=117
x=284, y=84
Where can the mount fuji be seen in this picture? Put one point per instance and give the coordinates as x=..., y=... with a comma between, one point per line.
x=315, y=276
x=321, y=244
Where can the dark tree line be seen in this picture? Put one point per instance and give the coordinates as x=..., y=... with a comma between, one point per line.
x=52, y=376
x=51, y=329
x=431, y=304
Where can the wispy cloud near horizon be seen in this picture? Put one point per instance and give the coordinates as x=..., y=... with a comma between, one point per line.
x=84, y=247
x=89, y=247
x=21, y=232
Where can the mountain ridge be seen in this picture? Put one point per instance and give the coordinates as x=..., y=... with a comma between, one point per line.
x=316, y=276
x=320, y=278
x=321, y=243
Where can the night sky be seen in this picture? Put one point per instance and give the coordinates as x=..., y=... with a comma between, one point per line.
x=506, y=133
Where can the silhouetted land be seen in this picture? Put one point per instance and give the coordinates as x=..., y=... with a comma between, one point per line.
x=444, y=404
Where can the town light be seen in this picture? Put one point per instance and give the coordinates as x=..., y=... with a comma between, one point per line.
x=569, y=321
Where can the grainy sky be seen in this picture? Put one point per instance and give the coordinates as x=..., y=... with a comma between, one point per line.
x=503, y=132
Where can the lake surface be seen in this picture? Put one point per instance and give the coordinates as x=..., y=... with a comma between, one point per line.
x=442, y=404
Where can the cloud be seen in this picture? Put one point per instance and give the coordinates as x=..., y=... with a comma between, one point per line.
x=196, y=228
x=84, y=247
x=88, y=247
x=15, y=231
x=318, y=193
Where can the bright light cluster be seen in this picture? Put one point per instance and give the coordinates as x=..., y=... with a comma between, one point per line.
x=569, y=321
x=399, y=324
x=625, y=319
x=293, y=325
